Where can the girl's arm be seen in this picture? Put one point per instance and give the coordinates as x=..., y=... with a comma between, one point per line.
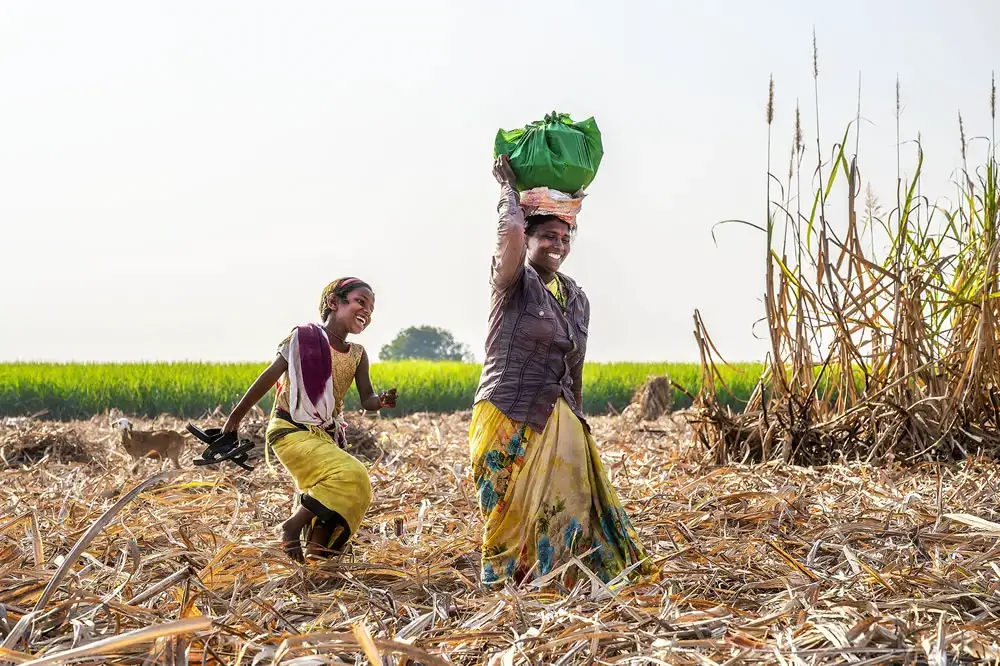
x=369, y=400
x=257, y=390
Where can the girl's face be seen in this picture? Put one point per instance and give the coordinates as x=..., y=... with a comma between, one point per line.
x=549, y=245
x=356, y=313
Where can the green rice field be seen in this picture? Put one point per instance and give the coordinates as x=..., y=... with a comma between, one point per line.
x=70, y=391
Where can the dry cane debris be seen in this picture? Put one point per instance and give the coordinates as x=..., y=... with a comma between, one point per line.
x=768, y=563
x=651, y=400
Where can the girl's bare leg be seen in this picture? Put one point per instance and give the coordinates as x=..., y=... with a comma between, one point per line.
x=291, y=533
x=319, y=542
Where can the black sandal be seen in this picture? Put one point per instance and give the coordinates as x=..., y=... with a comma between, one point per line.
x=222, y=447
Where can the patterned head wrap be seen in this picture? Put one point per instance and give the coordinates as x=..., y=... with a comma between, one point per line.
x=545, y=201
x=333, y=287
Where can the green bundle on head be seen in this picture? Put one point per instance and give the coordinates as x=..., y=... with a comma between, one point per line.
x=555, y=152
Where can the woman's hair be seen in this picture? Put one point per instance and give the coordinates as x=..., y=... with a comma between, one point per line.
x=340, y=288
x=532, y=222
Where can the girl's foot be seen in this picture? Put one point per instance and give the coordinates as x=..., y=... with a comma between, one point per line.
x=318, y=540
x=290, y=540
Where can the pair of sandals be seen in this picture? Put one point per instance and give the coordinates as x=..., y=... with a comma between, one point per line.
x=222, y=447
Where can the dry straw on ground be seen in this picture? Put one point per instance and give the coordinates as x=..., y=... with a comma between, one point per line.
x=757, y=564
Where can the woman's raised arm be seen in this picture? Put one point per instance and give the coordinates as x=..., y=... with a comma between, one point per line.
x=508, y=258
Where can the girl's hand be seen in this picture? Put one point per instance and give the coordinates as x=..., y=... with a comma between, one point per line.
x=256, y=392
x=503, y=172
x=231, y=425
x=387, y=399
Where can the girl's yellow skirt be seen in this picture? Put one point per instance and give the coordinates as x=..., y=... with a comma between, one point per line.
x=332, y=482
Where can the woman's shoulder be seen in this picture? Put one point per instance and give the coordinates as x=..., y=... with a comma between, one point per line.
x=571, y=285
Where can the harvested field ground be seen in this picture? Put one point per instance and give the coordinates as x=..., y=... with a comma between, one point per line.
x=757, y=564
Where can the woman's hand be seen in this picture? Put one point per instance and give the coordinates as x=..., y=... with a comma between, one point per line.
x=387, y=399
x=503, y=172
x=231, y=424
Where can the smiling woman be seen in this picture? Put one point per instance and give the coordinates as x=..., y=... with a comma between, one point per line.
x=543, y=491
x=548, y=240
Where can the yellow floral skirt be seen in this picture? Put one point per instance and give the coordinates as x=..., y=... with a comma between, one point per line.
x=546, y=498
x=333, y=483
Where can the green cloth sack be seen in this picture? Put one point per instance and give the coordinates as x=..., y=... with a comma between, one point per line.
x=555, y=152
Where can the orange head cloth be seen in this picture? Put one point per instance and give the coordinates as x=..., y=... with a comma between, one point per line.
x=545, y=201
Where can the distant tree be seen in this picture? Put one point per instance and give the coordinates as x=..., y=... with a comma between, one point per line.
x=425, y=342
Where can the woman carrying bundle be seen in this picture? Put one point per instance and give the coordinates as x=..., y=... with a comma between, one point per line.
x=543, y=492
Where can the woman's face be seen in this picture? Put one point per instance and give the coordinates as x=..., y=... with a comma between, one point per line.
x=549, y=245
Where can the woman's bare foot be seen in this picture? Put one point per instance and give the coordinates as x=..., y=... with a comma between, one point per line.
x=290, y=540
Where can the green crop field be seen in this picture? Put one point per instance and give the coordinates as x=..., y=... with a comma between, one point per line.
x=68, y=391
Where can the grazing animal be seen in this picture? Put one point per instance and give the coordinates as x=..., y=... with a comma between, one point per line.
x=139, y=444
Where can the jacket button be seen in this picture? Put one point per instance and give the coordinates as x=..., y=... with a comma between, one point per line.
x=541, y=313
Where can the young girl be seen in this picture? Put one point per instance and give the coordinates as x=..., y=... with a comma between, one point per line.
x=314, y=369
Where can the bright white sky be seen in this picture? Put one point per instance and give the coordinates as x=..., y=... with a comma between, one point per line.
x=178, y=180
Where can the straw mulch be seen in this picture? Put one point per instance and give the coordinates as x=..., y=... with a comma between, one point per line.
x=756, y=564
